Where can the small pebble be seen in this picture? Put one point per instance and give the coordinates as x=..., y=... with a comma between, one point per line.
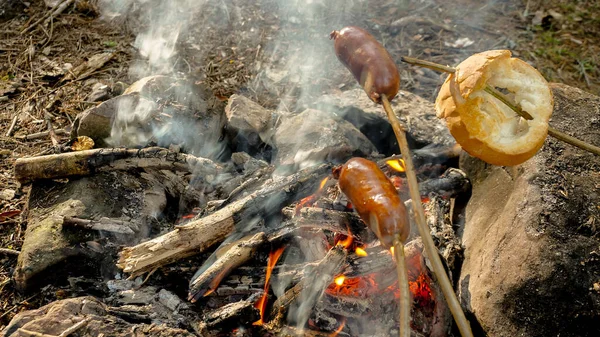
x=7, y=194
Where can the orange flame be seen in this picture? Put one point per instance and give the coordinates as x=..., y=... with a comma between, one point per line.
x=397, y=165
x=311, y=199
x=322, y=185
x=261, y=304
x=346, y=242
x=339, y=329
x=360, y=252
x=340, y=280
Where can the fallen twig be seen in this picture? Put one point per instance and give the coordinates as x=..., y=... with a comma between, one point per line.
x=88, y=161
x=46, y=16
x=8, y=251
x=43, y=134
x=13, y=123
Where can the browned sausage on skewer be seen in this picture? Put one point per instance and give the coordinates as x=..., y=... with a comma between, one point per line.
x=375, y=199
x=368, y=61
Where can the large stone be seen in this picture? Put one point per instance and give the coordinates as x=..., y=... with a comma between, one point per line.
x=532, y=249
x=48, y=242
x=96, y=122
x=161, y=110
x=314, y=136
x=92, y=317
x=248, y=117
x=418, y=115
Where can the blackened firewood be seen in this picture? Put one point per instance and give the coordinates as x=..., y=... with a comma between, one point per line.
x=209, y=276
x=228, y=317
x=451, y=184
x=197, y=236
x=301, y=298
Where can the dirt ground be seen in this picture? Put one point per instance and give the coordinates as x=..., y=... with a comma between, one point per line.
x=41, y=87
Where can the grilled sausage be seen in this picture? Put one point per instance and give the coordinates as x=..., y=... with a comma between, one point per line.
x=368, y=61
x=375, y=199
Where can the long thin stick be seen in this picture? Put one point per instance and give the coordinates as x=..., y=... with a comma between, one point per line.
x=500, y=96
x=432, y=252
x=405, y=300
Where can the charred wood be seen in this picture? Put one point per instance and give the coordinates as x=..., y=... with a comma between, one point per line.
x=335, y=221
x=301, y=298
x=197, y=236
x=436, y=155
x=226, y=318
x=97, y=160
x=207, y=279
x=451, y=184
x=104, y=224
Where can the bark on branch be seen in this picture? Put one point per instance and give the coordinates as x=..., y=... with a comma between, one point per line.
x=97, y=160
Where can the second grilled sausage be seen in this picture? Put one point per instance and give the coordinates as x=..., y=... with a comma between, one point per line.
x=375, y=199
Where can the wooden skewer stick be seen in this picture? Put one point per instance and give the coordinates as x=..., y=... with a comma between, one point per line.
x=405, y=300
x=432, y=252
x=501, y=97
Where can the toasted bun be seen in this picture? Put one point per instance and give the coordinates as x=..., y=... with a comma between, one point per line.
x=485, y=127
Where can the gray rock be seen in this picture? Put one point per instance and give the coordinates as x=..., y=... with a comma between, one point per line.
x=93, y=317
x=418, y=114
x=162, y=110
x=246, y=116
x=314, y=136
x=97, y=121
x=7, y=194
x=530, y=236
x=118, y=196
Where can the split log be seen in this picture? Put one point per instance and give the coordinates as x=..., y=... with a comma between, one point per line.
x=206, y=280
x=228, y=317
x=195, y=237
x=97, y=160
x=104, y=224
x=302, y=297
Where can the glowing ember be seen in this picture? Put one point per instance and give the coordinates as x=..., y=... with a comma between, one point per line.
x=361, y=252
x=397, y=165
x=340, y=280
x=346, y=243
x=261, y=304
x=421, y=291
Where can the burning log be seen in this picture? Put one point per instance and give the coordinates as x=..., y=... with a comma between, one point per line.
x=335, y=221
x=98, y=160
x=207, y=280
x=432, y=156
x=310, y=289
x=197, y=236
x=236, y=314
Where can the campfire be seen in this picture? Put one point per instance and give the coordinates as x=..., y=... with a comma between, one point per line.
x=176, y=208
